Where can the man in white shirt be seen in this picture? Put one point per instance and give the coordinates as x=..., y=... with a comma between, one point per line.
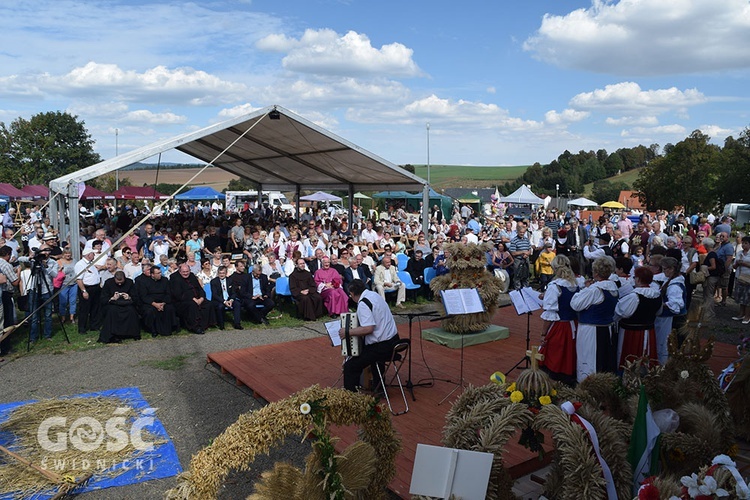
x=89, y=292
x=470, y=236
x=376, y=325
x=369, y=235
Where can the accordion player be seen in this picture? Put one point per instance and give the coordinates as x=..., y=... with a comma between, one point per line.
x=350, y=346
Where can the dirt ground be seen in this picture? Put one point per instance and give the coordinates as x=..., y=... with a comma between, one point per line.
x=195, y=402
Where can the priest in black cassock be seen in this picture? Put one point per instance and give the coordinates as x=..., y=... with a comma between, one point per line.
x=194, y=311
x=158, y=313
x=119, y=314
x=305, y=292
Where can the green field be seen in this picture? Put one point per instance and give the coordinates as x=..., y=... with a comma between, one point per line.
x=628, y=178
x=446, y=176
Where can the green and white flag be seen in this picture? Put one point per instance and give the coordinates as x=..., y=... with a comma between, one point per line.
x=643, y=453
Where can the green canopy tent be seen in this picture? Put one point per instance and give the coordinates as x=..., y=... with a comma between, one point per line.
x=412, y=200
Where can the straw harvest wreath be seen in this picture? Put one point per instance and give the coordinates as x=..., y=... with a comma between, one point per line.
x=467, y=264
x=364, y=469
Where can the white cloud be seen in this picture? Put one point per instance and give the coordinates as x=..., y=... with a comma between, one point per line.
x=647, y=37
x=146, y=116
x=628, y=97
x=235, y=111
x=447, y=114
x=633, y=120
x=491, y=90
x=716, y=132
x=313, y=93
x=160, y=84
x=325, y=52
x=674, y=129
x=567, y=116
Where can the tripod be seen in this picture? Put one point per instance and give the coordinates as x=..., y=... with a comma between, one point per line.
x=41, y=286
x=525, y=360
x=460, y=382
x=409, y=384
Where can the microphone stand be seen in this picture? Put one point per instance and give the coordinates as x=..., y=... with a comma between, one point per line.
x=409, y=384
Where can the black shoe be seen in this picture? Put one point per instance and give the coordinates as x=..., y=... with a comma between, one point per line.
x=221, y=327
x=264, y=321
x=200, y=331
x=237, y=327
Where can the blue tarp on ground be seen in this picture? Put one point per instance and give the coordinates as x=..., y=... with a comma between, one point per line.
x=158, y=463
x=201, y=193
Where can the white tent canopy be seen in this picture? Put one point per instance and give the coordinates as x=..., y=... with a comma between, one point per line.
x=276, y=149
x=583, y=202
x=272, y=147
x=522, y=195
x=320, y=196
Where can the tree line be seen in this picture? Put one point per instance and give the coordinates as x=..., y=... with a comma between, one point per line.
x=696, y=175
x=570, y=172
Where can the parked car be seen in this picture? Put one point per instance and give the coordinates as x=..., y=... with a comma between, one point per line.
x=519, y=213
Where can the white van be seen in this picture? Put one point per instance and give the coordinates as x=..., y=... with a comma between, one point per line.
x=730, y=209
x=236, y=200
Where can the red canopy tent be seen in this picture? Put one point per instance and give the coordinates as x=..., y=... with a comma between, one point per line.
x=91, y=193
x=138, y=193
x=13, y=193
x=37, y=191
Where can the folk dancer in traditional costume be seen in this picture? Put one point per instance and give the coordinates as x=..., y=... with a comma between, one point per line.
x=637, y=311
x=674, y=296
x=596, y=337
x=560, y=321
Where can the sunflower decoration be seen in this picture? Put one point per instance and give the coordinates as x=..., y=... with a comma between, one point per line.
x=531, y=438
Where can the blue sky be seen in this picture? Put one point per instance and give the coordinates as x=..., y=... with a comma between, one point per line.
x=501, y=83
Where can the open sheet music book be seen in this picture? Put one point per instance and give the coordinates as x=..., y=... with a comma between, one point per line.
x=525, y=300
x=332, y=328
x=462, y=301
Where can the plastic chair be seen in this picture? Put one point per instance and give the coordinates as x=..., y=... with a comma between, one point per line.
x=403, y=259
x=396, y=362
x=408, y=283
x=428, y=274
x=282, y=288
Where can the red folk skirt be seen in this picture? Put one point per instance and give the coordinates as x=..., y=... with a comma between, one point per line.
x=559, y=348
x=637, y=344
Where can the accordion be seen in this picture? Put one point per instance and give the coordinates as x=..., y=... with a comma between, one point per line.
x=350, y=346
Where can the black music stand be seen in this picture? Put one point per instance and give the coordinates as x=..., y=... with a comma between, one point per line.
x=458, y=302
x=409, y=384
x=524, y=303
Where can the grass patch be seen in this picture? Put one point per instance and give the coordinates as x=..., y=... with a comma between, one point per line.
x=174, y=363
x=628, y=178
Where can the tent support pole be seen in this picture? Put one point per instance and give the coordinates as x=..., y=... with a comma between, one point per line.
x=297, y=194
x=351, y=205
x=75, y=221
x=426, y=211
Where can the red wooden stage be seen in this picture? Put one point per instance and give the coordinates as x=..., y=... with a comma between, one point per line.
x=275, y=371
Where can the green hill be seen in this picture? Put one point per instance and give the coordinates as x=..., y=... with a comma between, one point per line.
x=446, y=176
x=628, y=178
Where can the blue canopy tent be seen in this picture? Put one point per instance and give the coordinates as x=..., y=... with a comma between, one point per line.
x=201, y=193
